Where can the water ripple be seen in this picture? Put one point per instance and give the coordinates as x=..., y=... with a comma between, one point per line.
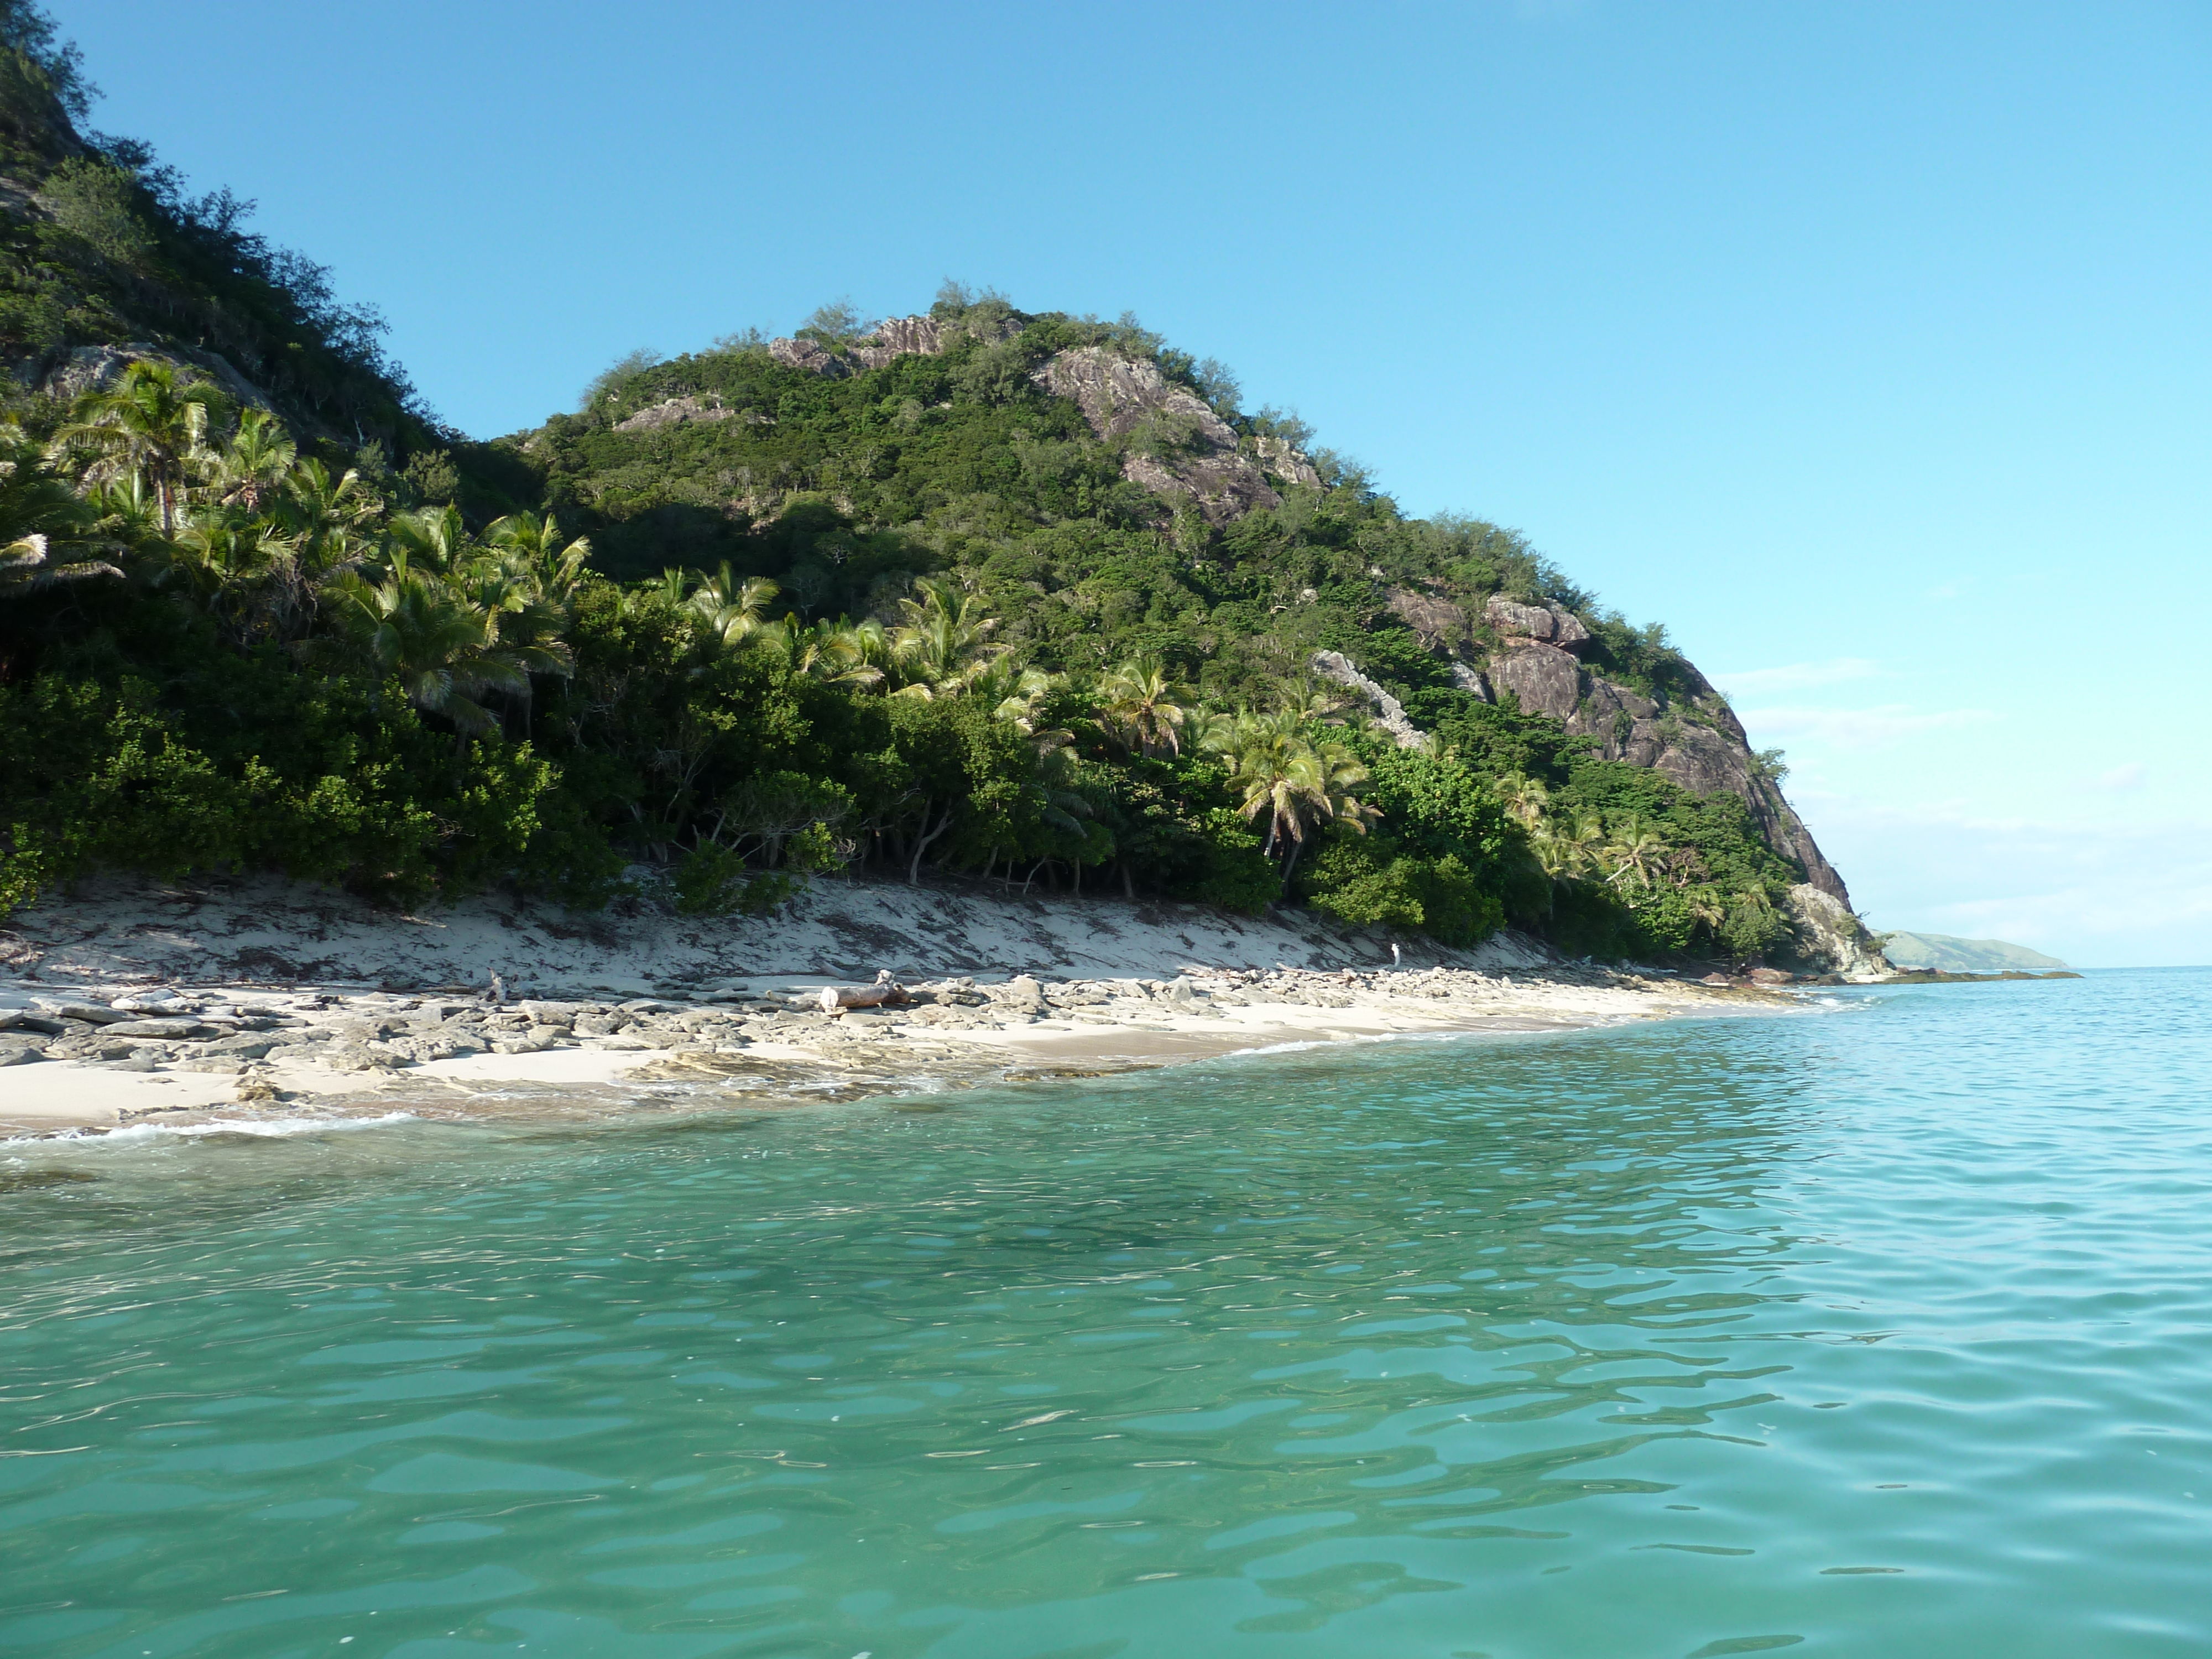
x=1709, y=1339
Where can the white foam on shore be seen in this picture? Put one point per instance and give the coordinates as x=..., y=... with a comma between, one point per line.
x=140, y=1134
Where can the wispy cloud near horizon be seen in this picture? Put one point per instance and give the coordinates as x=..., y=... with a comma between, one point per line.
x=1797, y=676
x=1881, y=727
x=2136, y=891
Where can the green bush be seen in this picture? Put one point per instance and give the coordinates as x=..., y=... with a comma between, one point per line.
x=715, y=881
x=335, y=783
x=1371, y=882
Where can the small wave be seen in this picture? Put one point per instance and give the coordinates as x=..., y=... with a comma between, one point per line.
x=1299, y=1047
x=140, y=1134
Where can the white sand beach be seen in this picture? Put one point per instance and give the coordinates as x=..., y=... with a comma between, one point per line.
x=131, y=1001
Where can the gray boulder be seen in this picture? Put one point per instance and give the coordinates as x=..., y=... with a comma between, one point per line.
x=673, y=412
x=1517, y=623
x=901, y=336
x=1547, y=680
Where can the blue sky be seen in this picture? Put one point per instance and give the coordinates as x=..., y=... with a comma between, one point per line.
x=1867, y=347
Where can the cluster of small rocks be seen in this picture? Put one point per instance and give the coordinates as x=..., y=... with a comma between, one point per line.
x=234, y=1033
x=145, y=1031
x=251, y=1035
x=961, y=1002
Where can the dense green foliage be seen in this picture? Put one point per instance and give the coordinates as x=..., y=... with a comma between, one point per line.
x=906, y=619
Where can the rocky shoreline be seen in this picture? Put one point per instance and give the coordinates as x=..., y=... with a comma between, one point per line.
x=87, y=1060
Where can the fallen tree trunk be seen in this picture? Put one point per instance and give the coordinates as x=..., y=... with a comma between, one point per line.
x=835, y=999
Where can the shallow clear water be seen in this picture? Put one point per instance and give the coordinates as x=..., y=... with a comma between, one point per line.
x=1885, y=1330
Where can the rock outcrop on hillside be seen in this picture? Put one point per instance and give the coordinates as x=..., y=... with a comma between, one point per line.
x=899, y=336
x=1705, y=752
x=1388, y=712
x=893, y=338
x=97, y=367
x=673, y=412
x=1825, y=938
x=1178, y=448
x=1699, y=744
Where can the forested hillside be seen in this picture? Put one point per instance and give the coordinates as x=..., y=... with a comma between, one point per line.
x=981, y=595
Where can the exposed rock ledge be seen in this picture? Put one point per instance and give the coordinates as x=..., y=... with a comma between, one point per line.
x=673, y=411
x=97, y=367
x=1390, y=713
x=1829, y=938
x=894, y=337
x=1118, y=394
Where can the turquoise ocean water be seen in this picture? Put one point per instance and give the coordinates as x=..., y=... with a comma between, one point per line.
x=1882, y=1330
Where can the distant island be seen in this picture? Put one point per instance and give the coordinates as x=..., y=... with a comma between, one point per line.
x=1948, y=955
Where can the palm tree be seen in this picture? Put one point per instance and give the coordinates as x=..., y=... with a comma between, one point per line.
x=1582, y=843
x=43, y=522
x=844, y=652
x=152, y=422
x=1140, y=702
x=226, y=547
x=124, y=511
x=1209, y=731
x=327, y=515
x=1637, y=851
x=28, y=563
x=1565, y=854
x=1296, y=782
x=1526, y=799
x=732, y=611
x=531, y=545
x=1307, y=700
x=433, y=538
x=253, y=468
x=440, y=644
x=1705, y=904
x=945, y=642
x=1015, y=695
x=1341, y=773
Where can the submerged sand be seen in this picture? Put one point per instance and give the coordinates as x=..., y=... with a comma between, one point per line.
x=127, y=1004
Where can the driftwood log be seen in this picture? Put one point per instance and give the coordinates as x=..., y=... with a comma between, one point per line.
x=835, y=999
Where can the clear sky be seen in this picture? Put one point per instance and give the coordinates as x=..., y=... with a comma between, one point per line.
x=1866, y=346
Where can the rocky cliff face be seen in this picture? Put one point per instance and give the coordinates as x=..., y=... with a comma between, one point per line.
x=1536, y=651
x=97, y=367
x=1699, y=744
x=673, y=411
x=895, y=336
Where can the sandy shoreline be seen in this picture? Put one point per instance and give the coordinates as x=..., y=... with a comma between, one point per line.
x=207, y=1053
x=254, y=1000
